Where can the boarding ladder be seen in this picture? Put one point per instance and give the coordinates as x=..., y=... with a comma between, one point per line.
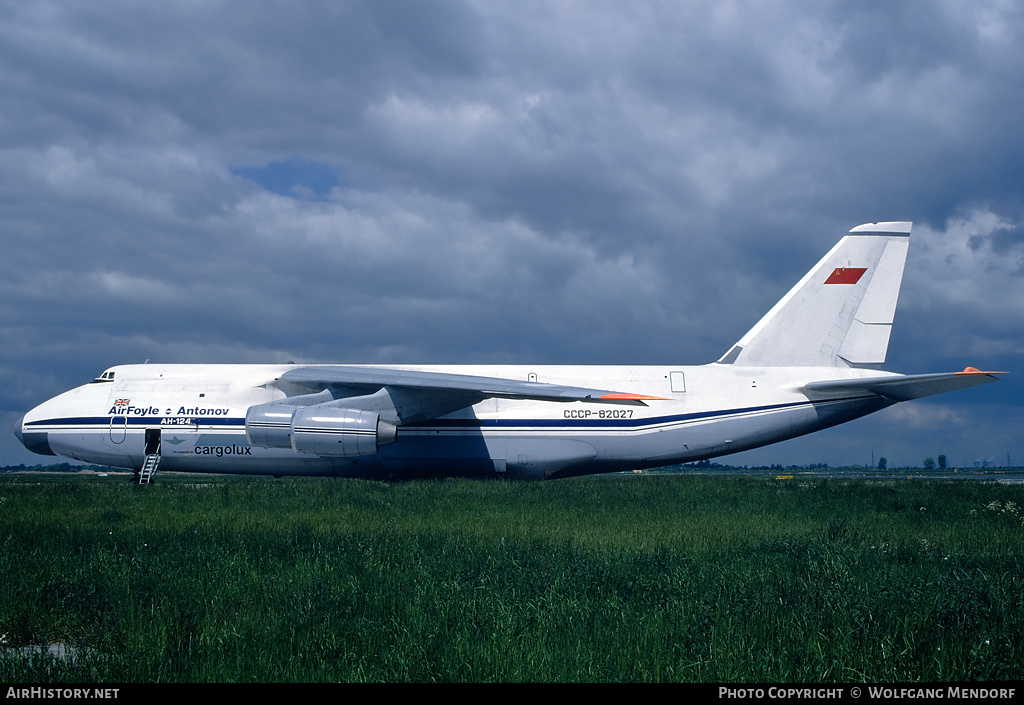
x=149, y=468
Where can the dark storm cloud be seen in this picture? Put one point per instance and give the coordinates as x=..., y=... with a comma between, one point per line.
x=521, y=182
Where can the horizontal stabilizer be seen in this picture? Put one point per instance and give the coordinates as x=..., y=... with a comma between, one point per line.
x=374, y=378
x=906, y=387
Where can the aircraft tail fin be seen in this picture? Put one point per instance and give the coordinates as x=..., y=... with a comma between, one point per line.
x=840, y=314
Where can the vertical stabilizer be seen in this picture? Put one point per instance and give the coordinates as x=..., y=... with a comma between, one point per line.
x=840, y=314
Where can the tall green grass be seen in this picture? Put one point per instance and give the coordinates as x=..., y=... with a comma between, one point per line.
x=616, y=578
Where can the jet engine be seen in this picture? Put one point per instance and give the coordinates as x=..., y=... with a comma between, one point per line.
x=324, y=429
x=270, y=425
x=332, y=431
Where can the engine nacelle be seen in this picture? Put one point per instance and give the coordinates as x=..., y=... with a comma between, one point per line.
x=315, y=424
x=337, y=432
x=270, y=425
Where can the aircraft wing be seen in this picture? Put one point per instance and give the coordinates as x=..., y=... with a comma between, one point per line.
x=369, y=379
x=906, y=387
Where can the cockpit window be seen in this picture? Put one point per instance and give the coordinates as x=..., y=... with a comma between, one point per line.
x=107, y=376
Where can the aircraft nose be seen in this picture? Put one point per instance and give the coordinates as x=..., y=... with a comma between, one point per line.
x=35, y=441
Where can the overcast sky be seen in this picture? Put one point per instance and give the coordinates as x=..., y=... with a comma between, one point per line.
x=508, y=182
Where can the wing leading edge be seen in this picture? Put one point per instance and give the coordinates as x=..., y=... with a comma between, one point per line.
x=375, y=378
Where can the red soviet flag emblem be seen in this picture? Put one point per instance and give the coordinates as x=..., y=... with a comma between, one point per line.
x=846, y=275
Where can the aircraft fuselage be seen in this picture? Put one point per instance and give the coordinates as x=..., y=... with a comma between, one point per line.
x=809, y=363
x=200, y=413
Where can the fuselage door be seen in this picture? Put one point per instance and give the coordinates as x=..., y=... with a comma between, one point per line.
x=118, y=428
x=677, y=381
x=152, y=441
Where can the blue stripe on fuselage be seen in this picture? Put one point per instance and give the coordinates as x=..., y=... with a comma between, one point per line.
x=482, y=424
x=610, y=423
x=150, y=421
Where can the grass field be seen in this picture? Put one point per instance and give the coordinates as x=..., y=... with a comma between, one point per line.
x=616, y=578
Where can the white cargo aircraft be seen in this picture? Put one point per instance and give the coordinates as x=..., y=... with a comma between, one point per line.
x=810, y=363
